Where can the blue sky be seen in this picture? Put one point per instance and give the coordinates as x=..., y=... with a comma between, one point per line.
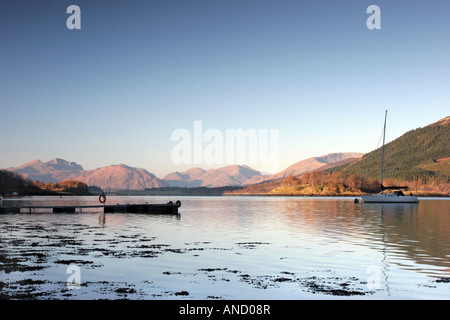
x=115, y=90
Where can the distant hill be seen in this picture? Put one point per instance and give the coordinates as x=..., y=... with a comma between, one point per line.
x=61, y=164
x=51, y=171
x=121, y=177
x=420, y=154
x=315, y=163
x=190, y=178
x=232, y=175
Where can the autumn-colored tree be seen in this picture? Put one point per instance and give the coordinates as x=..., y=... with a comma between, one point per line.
x=291, y=180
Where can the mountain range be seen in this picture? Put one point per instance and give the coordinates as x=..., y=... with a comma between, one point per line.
x=110, y=177
x=232, y=175
x=51, y=171
x=123, y=177
x=421, y=155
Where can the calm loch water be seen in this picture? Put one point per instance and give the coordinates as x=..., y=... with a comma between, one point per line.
x=229, y=248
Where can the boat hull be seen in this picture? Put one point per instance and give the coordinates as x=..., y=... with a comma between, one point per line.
x=389, y=198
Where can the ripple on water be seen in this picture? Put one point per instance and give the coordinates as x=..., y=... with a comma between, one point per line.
x=226, y=248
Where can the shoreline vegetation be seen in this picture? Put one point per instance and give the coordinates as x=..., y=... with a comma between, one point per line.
x=310, y=184
x=11, y=182
x=322, y=183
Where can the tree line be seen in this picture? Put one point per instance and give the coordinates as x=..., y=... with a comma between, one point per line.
x=344, y=183
x=13, y=182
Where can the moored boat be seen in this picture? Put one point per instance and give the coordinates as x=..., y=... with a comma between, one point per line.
x=397, y=196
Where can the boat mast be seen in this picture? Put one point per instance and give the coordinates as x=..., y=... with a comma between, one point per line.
x=382, y=153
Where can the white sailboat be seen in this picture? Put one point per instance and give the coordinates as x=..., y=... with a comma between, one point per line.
x=397, y=196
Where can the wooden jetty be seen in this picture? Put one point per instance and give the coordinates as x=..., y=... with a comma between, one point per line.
x=166, y=208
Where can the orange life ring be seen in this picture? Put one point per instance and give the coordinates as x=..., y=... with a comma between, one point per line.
x=102, y=198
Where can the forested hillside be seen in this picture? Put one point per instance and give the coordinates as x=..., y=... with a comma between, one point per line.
x=421, y=154
x=419, y=159
x=13, y=182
